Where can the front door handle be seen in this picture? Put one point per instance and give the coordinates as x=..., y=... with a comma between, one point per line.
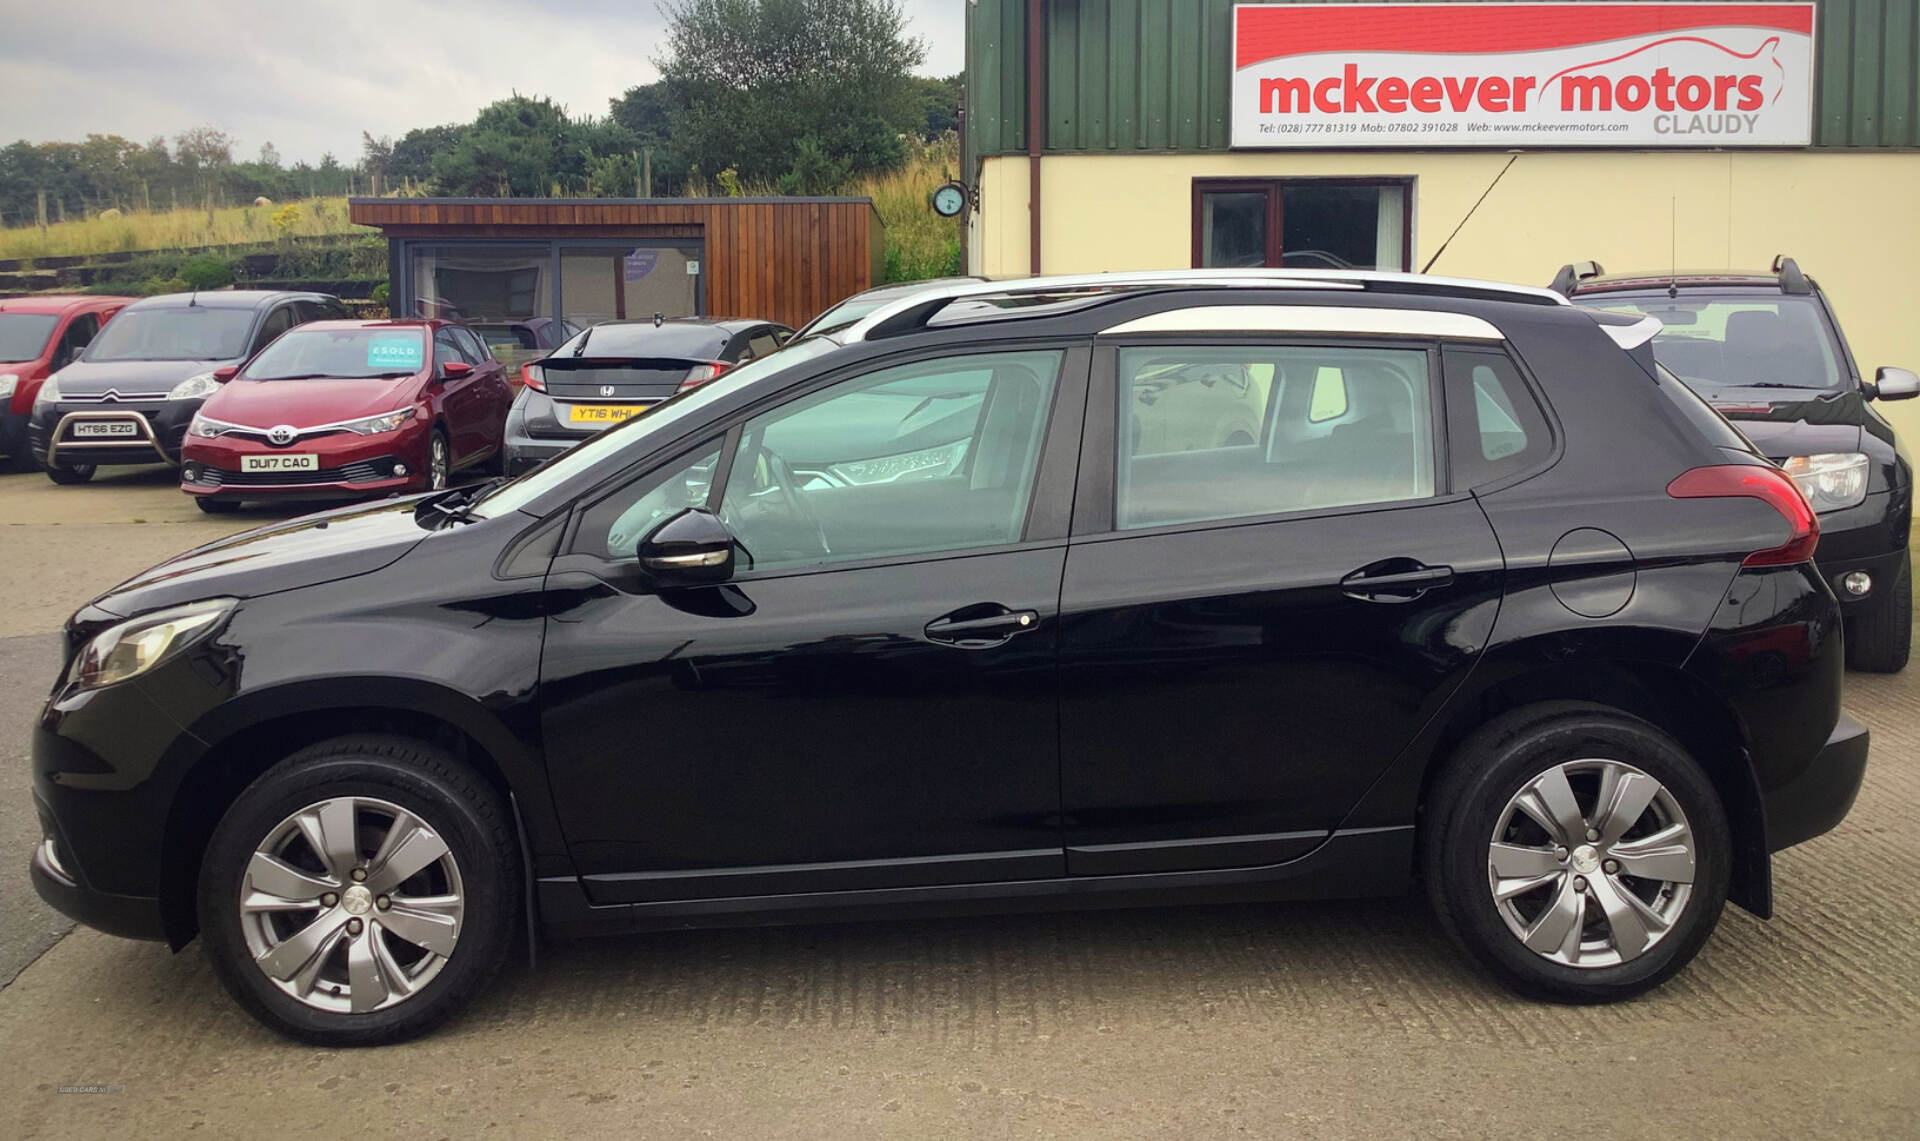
x=971, y=629
x=1395, y=580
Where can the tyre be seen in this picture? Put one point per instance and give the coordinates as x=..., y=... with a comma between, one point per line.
x=216, y=506
x=360, y=891
x=1575, y=852
x=439, y=461
x=68, y=476
x=1880, y=636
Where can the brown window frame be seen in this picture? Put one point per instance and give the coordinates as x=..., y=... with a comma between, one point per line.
x=1272, y=188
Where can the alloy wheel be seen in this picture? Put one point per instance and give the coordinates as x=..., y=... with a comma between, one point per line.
x=351, y=905
x=1591, y=863
x=438, y=465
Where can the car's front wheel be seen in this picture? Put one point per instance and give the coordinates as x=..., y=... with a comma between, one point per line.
x=67, y=476
x=360, y=891
x=1577, y=853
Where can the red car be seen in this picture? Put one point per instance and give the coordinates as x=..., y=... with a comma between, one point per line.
x=38, y=337
x=347, y=409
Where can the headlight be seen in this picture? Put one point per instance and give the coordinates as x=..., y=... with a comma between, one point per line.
x=8, y=382
x=1831, y=480
x=49, y=391
x=928, y=463
x=208, y=428
x=195, y=388
x=374, y=425
x=139, y=644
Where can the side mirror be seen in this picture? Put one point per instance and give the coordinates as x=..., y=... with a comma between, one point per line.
x=225, y=373
x=1895, y=384
x=691, y=548
x=454, y=370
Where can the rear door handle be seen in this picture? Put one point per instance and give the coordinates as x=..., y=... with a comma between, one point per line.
x=1395, y=585
x=979, y=631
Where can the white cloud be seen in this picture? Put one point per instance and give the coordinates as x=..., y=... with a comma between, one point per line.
x=310, y=76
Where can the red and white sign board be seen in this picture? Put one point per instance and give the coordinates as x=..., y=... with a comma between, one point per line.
x=1522, y=75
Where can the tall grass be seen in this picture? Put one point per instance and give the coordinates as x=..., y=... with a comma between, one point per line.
x=177, y=229
x=920, y=243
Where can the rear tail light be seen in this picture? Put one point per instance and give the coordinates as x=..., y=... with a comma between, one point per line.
x=701, y=373
x=533, y=376
x=1771, y=486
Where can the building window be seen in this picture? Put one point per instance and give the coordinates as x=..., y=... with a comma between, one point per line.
x=481, y=283
x=1302, y=223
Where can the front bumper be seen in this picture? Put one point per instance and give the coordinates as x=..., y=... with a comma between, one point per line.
x=158, y=430
x=128, y=916
x=349, y=466
x=1816, y=799
x=13, y=432
x=1872, y=538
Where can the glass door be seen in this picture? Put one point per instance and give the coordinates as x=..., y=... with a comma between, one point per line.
x=628, y=282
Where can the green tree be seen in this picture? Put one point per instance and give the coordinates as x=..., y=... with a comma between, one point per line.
x=748, y=79
x=940, y=104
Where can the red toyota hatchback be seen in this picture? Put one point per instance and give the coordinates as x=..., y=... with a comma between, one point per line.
x=348, y=409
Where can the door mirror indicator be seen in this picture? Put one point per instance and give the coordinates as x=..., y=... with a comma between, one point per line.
x=225, y=373
x=691, y=548
x=454, y=370
x=1895, y=384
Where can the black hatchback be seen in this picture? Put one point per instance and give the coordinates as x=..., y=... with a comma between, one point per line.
x=617, y=369
x=1135, y=589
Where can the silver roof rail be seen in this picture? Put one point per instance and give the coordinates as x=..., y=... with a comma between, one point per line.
x=932, y=300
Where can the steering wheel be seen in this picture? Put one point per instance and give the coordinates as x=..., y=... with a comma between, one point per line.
x=803, y=513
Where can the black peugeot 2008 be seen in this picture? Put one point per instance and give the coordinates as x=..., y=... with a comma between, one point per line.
x=1480, y=599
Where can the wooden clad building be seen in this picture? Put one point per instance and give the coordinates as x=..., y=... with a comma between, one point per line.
x=584, y=260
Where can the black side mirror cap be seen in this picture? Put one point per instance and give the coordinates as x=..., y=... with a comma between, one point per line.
x=690, y=548
x=1894, y=384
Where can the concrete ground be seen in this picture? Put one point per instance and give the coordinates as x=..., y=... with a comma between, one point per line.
x=1322, y=1020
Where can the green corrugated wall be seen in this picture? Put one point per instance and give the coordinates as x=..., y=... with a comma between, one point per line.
x=1153, y=75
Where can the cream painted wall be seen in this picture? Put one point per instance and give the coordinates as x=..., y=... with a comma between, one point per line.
x=1849, y=218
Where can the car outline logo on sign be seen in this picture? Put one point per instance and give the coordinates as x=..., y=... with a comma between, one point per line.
x=282, y=434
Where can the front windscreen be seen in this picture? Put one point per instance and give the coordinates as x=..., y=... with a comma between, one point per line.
x=23, y=335
x=185, y=333
x=1715, y=343
x=606, y=450
x=345, y=354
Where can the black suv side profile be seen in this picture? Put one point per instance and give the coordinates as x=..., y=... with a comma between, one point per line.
x=1766, y=350
x=1483, y=601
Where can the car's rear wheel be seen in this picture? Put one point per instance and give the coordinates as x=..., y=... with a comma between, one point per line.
x=1880, y=635
x=216, y=506
x=360, y=891
x=1577, y=853
x=68, y=476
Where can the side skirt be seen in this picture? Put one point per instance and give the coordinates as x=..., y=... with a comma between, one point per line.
x=1354, y=863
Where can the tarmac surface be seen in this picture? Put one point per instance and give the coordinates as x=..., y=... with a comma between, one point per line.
x=1310, y=1020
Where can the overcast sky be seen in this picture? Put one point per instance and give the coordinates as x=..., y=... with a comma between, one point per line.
x=310, y=76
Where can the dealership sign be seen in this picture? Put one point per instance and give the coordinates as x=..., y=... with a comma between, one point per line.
x=1534, y=75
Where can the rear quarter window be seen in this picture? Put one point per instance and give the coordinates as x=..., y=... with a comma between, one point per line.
x=1495, y=426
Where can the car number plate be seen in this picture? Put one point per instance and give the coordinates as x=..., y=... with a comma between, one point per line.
x=603, y=413
x=288, y=461
x=107, y=429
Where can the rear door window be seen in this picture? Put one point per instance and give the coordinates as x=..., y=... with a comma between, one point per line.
x=1225, y=432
